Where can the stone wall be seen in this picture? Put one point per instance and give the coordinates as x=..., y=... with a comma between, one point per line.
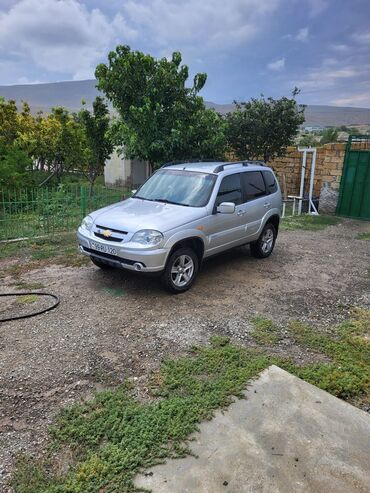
x=329, y=165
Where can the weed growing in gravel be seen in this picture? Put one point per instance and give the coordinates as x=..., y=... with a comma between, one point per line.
x=28, y=298
x=60, y=249
x=308, y=222
x=27, y=285
x=363, y=236
x=113, y=436
x=265, y=331
x=347, y=375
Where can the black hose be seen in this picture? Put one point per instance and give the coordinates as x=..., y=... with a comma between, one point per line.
x=57, y=300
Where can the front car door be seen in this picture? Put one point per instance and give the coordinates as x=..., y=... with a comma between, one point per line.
x=257, y=203
x=227, y=230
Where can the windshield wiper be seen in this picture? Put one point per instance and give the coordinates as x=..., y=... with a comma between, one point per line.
x=142, y=198
x=165, y=201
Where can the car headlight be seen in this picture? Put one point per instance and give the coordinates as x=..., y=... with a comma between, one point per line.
x=87, y=223
x=147, y=237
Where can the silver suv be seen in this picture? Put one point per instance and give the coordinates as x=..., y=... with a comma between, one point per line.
x=183, y=214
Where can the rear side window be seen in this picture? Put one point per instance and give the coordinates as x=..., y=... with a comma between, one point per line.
x=253, y=185
x=230, y=190
x=271, y=184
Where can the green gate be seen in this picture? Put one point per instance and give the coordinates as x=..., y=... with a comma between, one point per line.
x=354, y=193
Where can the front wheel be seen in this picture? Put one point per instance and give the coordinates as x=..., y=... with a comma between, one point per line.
x=181, y=270
x=264, y=246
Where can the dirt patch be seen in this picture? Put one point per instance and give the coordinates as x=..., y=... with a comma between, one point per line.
x=115, y=325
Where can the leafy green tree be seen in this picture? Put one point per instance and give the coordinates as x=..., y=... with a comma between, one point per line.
x=70, y=149
x=329, y=135
x=263, y=128
x=308, y=140
x=9, y=124
x=44, y=141
x=353, y=131
x=159, y=118
x=15, y=166
x=15, y=163
x=96, y=126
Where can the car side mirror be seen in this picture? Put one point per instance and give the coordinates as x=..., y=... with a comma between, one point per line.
x=226, y=208
x=133, y=191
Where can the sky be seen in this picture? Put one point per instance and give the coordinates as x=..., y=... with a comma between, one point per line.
x=247, y=47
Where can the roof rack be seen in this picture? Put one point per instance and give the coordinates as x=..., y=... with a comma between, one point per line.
x=187, y=161
x=220, y=168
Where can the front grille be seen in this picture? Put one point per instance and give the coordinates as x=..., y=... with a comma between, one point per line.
x=114, y=238
x=108, y=238
x=113, y=230
x=111, y=257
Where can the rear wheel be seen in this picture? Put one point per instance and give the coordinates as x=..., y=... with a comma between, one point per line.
x=264, y=246
x=181, y=270
x=100, y=264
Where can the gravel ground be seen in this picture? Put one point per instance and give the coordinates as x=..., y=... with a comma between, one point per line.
x=114, y=325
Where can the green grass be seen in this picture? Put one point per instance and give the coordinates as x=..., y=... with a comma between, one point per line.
x=30, y=286
x=28, y=298
x=363, y=236
x=265, y=331
x=347, y=375
x=28, y=213
x=113, y=436
x=59, y=249
x=307, y=222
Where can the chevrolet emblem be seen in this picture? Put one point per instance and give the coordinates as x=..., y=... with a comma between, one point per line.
x=107, y=233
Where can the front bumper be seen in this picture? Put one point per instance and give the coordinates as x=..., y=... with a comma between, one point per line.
x=130, y=259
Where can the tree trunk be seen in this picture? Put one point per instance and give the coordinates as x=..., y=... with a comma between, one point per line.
x=92, y=177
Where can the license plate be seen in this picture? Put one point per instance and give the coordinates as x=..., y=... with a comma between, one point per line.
x=103, y=248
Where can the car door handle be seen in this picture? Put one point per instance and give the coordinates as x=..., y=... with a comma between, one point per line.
x=240, y=213
x=267, y=204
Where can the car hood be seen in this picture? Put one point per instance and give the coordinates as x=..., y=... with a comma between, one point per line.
x=135, y=214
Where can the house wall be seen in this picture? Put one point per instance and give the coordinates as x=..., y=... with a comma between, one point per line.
x=119, y=171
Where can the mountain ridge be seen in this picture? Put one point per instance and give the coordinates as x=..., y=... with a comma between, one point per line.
x=43, y=96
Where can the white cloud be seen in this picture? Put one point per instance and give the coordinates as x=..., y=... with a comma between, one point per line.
x=339, y=47
x=363, y=38
x=325, y=76
x=277, y=66
x=330, y=61
x=59, y=35
x=199, y=26
x=302, y=34
x=353, y=100
x=316, y=7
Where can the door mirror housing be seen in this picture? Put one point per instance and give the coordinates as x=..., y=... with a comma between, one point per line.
x=133, y=191
x=226, y=208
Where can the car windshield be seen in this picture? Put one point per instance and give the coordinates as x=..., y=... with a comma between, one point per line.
x=189, y=188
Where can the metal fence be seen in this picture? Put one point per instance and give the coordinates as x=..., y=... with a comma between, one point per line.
x=30, y=213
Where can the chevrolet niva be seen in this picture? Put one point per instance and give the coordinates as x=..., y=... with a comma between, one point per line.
x=183, y=214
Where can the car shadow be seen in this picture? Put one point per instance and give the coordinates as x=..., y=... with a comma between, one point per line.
x=122, y=282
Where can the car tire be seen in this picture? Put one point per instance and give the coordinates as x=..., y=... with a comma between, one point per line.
x=181, y=270
x=264, y=246
x=100, y=264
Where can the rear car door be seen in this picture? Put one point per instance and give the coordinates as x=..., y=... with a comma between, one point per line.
x=227, y=230
x=256, y=201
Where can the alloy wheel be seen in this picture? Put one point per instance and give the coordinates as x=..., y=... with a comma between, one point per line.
x=182, y=270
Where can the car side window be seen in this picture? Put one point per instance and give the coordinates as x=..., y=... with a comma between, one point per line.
x=253, y=185
x=230, y=190
x=270, y=181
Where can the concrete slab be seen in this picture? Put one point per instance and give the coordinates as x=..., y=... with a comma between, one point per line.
x=288, y=436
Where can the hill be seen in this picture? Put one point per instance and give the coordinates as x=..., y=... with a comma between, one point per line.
x=71, y=93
